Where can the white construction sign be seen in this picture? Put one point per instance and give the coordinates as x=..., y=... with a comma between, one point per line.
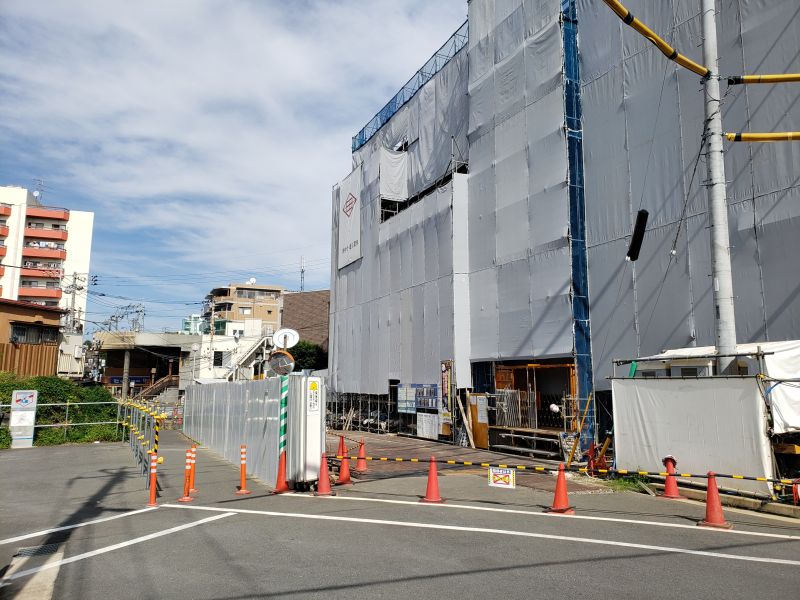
x=502, y=478
x=23, y=417
x=350, y=218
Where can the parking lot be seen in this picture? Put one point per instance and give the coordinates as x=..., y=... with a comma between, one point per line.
x=80, y=511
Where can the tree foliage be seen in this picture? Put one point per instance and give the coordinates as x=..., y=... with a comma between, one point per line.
x=308, y=355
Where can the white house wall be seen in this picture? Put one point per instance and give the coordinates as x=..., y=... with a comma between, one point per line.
x=623, y=110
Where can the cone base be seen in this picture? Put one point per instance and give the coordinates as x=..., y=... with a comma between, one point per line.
x=325, y=493
x=671, y=496
x=344, y=483
x=152, y=504
x=193, y=491
x=360, y=471
x=278, y=491
x=431, y=501
x=569, y=511
x=723, y=525
x=186, y=499
x=242, y=492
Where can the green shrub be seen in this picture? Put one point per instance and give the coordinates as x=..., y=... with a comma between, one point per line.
x=5, y=438
x=53, y=390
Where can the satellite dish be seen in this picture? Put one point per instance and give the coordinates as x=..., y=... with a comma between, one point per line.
x=36, y=193
x=285, y=338
x=251, y=281
x=281, y=362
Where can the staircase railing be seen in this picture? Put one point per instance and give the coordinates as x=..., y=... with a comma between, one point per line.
x=158, y=387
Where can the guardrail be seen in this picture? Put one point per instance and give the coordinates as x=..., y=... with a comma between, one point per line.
x=67, y=423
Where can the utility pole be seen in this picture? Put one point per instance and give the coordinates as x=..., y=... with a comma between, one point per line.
x=126, y=367
x=73, y=289
x=302, y=274
x=722, y=282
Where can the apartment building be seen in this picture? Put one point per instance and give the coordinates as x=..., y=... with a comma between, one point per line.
x=244, y=301
x=41, y=247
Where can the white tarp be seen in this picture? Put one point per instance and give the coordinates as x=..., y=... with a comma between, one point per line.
x=781, y=364
x=716, y=424
x=394, y=174
x=350, y=218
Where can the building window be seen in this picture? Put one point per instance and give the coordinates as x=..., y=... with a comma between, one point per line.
x=245, y=310
x=269, y=312
x=217, y=358
x=33, y=334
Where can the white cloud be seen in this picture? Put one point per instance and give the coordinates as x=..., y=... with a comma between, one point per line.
x=194, y=129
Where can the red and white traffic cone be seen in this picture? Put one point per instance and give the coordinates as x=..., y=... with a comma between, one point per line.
x=560, y=500
x=714, y=514
x=344, y=471
x=670, y=483
x=153, y=480
x=324, y=482
x=242, y=491
x=192, y=489
x=186, y=476
x=432, y=495
x=342, y=448
x=361, y=461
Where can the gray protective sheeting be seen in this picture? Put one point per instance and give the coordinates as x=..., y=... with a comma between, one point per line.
x=519, y=205
x=636, y=310
x=706, y=424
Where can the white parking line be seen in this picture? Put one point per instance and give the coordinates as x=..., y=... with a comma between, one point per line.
x=92, y=553
x=544, y=536
x=780, y=536
x=73, y=526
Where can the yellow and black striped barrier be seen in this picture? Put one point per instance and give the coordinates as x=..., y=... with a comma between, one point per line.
x=547, y=469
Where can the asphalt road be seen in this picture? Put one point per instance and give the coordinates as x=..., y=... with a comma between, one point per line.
x=372, y=540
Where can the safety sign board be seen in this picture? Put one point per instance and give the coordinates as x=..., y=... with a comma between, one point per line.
x=23, y=417
x=502, y=478
x=314, y=384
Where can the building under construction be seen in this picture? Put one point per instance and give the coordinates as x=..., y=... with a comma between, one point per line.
x=479, y=242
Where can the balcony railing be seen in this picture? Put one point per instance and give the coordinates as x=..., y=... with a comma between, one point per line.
x=4, y=230
x=48, y=212
x=44, y=234
x=42, y=272
x=5, y=209
x=39, y=252
x=40, y=292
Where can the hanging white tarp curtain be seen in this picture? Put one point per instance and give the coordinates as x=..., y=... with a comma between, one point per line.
x=715, y=424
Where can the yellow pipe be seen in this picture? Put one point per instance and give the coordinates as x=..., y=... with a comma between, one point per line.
x=784, y=136
x=779, y=78
x=667, y=50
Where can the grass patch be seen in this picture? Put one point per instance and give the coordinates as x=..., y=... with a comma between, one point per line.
x=627, y=483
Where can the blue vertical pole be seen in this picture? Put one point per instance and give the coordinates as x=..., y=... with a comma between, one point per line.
x=577, y=219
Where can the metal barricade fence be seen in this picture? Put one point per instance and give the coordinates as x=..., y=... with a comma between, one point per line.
x=376, y=413
x=141, y=423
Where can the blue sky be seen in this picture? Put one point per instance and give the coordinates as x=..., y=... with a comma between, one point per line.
x=205, y=135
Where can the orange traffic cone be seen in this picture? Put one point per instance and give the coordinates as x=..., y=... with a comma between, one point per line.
x=281, y=487
x=344, y=471
x=342, y=448
x=560, y=501
x=432, y=491
x=324, y=482
x=361, y=462
x=714, y=516
x=670, y=483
